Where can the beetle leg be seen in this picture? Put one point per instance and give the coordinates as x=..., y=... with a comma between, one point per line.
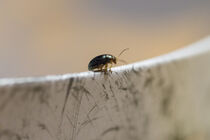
x=110, y=66
x=106, y=67
x=101, y=68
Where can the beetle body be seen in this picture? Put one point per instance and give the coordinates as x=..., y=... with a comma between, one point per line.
x=101, y=63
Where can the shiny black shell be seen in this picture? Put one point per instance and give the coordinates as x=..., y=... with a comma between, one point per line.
x=101, y=60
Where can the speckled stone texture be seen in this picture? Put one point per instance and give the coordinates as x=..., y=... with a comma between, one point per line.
x=165, y=98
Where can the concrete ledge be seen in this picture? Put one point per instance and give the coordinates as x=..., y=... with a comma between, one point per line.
x=165, y=98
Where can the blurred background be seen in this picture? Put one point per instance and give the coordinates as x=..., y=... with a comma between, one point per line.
x=42, y=37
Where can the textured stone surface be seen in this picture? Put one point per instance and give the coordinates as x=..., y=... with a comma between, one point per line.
x=165, y=98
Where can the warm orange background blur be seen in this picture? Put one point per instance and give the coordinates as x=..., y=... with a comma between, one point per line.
x=42, y=37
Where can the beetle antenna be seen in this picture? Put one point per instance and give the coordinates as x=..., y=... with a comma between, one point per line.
x=123, y=51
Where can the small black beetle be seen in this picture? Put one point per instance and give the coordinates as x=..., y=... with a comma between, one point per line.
x=101, y=63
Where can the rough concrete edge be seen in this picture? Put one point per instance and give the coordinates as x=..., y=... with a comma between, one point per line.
x=195, y=49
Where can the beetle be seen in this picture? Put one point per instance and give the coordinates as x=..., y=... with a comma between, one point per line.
x=104, y=62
